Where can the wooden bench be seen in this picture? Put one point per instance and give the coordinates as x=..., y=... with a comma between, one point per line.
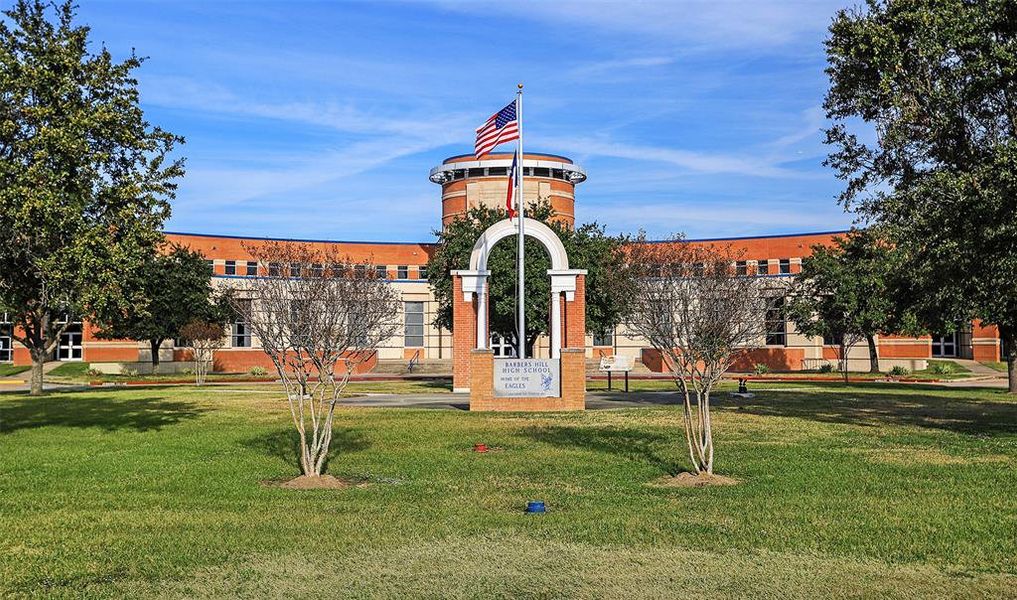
x=617, y=364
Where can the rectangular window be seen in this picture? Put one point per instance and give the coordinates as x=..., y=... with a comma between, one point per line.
x=360, y=271
x=785, y=266
x=741, y=268
x=497, y=172
x=231, y=267
x=762, y=267
x=240, y=334
x=317, y=269
x=413, y=334
x=830, y=339
x=422, y=272
x=252, y=268
x=604, y=338
x=381, y=271
x=295, y=269
x=475, y=172
x=776, y=329
x=274, y=269
x=403, y=272
x=541, y=172
x=211, y=265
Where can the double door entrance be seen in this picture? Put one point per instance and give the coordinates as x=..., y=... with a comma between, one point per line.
x=69, y=348
x=944, y=345
x=6, y=342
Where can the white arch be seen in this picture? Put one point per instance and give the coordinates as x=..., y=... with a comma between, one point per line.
x=504, y=228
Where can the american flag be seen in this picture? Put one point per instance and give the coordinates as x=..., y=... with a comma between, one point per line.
x=501, y=127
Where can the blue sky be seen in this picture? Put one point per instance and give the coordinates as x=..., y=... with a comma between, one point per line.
x=322, y=119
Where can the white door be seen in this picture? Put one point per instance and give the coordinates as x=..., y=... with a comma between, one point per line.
x=6, y=351
x=70, y=343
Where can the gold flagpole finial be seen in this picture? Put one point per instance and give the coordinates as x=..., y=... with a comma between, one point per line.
x=520, y=86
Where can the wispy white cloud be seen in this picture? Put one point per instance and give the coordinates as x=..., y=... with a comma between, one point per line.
x=698, y=219
x=622, y=65
x=687, y=160
x=183, y=93
x=363, y=141
x=709, y=23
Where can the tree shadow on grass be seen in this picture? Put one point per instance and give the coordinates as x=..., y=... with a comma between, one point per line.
x=635, y=444
x=285, y=444
x=873, y=407
x=104, y=412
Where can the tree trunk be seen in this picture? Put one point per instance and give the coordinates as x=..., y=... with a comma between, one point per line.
x=38, y=360
x=1006, y=334
x=155, y=344
x=873, y=354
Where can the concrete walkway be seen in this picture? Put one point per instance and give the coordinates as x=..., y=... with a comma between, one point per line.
x=594, y=400
x=977, y=369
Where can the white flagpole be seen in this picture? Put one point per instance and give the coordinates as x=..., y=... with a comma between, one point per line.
x=521, y=301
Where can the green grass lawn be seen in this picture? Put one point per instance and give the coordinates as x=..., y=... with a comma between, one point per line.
x=998, y=365
x=70, y=370
x=846, y=491
x=8, y=370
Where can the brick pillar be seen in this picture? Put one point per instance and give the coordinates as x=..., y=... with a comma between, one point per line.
x=575, y=317
x=573, y=379
x=464, y=335
x=482, y=380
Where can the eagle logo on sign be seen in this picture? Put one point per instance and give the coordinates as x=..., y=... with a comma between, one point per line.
x=545, y=382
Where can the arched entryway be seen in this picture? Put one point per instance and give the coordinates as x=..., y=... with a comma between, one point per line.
x=471, y=302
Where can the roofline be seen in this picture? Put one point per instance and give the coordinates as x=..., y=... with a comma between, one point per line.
x=525, y=154
x=757, y=237
x=301, y=240
x=320, y=241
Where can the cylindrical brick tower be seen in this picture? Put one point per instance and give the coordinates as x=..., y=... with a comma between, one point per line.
x=467, y=182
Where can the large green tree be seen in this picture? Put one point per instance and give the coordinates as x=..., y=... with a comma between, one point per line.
x=923, y=94
x=177, y=289
x=84, y=179
x=608, y=288
x=850, y=292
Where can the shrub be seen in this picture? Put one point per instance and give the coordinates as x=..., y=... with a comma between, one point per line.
x=941, y=368
x=899, y=371
x=94, y=373
x=761, y=369
x=129, y=372
x=257, y=372
x=826, y=368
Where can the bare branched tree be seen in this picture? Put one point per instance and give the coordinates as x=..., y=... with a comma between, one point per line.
x=203, y=339
x=318, y=316
x=696, y=310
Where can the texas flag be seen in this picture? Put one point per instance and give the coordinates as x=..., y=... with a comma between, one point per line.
x=511, y=187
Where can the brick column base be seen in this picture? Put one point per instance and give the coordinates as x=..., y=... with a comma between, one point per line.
x=573, y=385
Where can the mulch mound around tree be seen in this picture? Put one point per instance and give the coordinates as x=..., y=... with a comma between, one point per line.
x=691, y=480
x=321, y=482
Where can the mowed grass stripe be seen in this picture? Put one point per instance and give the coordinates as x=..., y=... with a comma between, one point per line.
x=109, y=492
